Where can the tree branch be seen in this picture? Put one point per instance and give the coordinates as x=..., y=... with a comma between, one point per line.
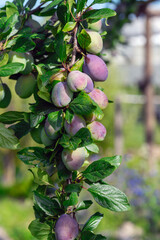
x=74, y=46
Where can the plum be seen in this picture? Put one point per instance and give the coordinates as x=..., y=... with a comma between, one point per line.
x=76, y=81
x=90, y=84
x=96, y=44
x=66, y=228
x=98, y=131
x=74, y=159
x=7, y=96
x=90, y=117
x=96, y=26
x=61, y=94
x=95, y=67
x=45, y=139
x=76, y=124
x=25, y=85
x=36, y=134
x=51, y=132
x=99, y=97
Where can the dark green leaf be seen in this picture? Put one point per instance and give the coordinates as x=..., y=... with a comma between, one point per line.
x=109, y=197
x=93, y=148
x=98, y=170
x=99, y=14
x=69, y=26
x=69, y=142
x=36, y=119
x=20, y=129
x=82, y=104
x=10, y=69
x=114, y=161
x=48, y=205
x=62, y=14
x=40, y=177
x=24, y=44
x=93, y=222
x=51, y=6
x=69, y=116
x=73, y=200
x=11, y=117
x=85, y=136
x=91, y=236
x=40, y=230
x=100, y=1
x=84, y=39
x=32, y=156
x=80, y=5
x=84, y=205
x=77, y=187
x=7, y=138
x=60, y=46
x=31, y=3
x=56, y=119
x=63, y=172
x=42, y=107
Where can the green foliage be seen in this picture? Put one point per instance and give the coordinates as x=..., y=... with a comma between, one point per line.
x=48, y=54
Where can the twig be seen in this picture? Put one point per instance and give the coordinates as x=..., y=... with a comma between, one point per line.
x=35, y=10
x=74, y=47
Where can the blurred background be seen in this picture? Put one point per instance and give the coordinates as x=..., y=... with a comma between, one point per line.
x=132, y=53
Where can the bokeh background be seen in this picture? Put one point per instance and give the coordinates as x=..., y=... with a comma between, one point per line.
x=132, y=53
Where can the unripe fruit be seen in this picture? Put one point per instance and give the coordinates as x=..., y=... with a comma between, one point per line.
x=51, y=132
x=66, y=228
x=95, y=67
x=74, y=159
x=76, y=81
x=45, y=139
x=76, y=124
x=2, y=93
x=36, y=134
x=34, y=25
x=99, y=97
x=96, y=44
x=98, y=131
x=90, y=85
x=25, y=85
x=7, y=96
x=61, y=94
x=24, y=58
x=96, y=26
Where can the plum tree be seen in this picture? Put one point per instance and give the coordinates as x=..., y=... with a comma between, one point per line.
x=61, y=94
x=6, y=96
x=74, y=159
x=25, y=85
x=77, y=81
x=96, y=44
x=95, y=67
x=98, y=131
x=76, y=124
x=66, y=228
x=99, y=97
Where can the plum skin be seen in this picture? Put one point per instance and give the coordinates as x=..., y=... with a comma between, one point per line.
x=76, y=81
x=51, y=132
x=66, y=228
x=76, y=124
x=95, y=67
x=74, y=159
x=96, y=44
x=99, y=97
x=98, y=131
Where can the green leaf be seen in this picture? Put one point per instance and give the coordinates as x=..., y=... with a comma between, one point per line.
x=40, y=177
x=91, y=236
x=32, y=156
x=24, y=44
x=93, y=222
x=51, y=6
x=56, y=119
x=10, y=9
x=114, y=161
x=69, y=26
x=69, y=142
x=11, y=117
x=73, y=200
x=62, y=14
x=84, y=39
x=63, y=172
x=7, y=138
x=80, y=5
x=76, y=187
x=36, y=119
x=4, y=59
x=44, y=94
x=39, y=230
x=82, y=105
x=48, y=205
x=31, y=3
x=85, y=136
x=93, y=148
x=99, y=1
x=20, y=129
x=84, y=205
x=60, y=46
x=10, y=69
x=69, y=115
x=99, y=14
x=70, y=3
x=98, y=170
x=109, y=197
x=78, y=65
